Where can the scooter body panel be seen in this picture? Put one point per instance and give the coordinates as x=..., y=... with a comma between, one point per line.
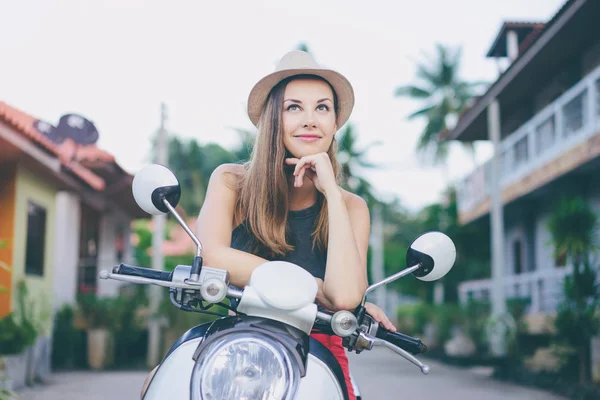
x=173, y=378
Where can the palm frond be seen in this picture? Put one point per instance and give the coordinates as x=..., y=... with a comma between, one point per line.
x=431, y=78
x=421, y=112
x=412, y=91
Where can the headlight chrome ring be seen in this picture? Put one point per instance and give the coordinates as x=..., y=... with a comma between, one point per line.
x=244, y=365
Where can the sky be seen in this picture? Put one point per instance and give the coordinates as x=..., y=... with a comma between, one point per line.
x=115, y=61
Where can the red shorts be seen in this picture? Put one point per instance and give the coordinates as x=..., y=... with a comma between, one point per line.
x=334, y=344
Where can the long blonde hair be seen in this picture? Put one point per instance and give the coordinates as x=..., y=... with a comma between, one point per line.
x=263, y=189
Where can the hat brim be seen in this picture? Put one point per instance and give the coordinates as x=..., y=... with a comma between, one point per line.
x=342, y=87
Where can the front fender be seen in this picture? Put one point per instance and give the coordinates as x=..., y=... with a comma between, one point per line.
x=172, y=378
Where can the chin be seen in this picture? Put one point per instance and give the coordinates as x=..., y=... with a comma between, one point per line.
x=306, y=151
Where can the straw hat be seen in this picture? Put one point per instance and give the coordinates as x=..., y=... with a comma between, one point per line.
x=301, y=63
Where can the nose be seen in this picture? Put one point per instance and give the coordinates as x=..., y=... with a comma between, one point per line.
x=309, y=120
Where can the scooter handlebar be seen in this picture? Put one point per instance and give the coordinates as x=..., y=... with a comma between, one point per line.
x=408, y=343
x=149, y=273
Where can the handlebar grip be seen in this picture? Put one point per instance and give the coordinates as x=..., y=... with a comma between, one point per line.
x=408, y=343
x=125, y=269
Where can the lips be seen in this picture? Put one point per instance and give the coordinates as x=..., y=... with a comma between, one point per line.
x=308, y=138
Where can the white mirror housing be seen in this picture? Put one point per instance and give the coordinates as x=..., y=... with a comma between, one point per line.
x=151, y=185
x=435, y=252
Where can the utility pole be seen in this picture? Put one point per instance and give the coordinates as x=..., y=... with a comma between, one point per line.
x=497, y=234
x=158, y=224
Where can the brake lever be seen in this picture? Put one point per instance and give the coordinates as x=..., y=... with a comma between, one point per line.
x=380, y=342
x=362, y=340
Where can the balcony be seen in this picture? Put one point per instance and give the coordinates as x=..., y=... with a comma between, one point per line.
x=543, y=288
x=564, y=124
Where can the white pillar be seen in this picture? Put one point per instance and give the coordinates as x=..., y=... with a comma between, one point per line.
x=110, y=223
x=512, y=45
x=66, y=254
x=497, y=227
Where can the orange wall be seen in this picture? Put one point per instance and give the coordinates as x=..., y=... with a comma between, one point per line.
x=7, y=221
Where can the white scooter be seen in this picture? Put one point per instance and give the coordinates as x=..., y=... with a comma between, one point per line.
x=264, y=352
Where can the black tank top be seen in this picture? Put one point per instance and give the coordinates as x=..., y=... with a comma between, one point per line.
x=301, y=224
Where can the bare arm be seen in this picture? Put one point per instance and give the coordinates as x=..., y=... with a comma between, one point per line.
x=348, y=239
x=214, y=226
x=346, y=271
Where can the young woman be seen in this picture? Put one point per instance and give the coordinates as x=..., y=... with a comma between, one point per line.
x=286, y=202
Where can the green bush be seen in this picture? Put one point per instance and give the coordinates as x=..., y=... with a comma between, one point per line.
x=446, y=317
x=573, y=226
x=14, y=337
x=121, y=317
x=129, y=332
x=25, y=310
x=412, y=318
x=471, y=318
x=18, y=330
x=98, y=312
x=68, y=343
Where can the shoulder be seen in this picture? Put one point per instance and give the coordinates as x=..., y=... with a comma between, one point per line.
x=360, y=217
x=354, y=201
x=228, y=174
x=357, y=206
x=229, y=169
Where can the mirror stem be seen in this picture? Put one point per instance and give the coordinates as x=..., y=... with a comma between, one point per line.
x=185, y=227
x=389, y=279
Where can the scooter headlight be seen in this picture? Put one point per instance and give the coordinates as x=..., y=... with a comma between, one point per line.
x=244, y=366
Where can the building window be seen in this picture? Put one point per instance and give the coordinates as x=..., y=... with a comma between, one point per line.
x=36, y=239
x=517, y=257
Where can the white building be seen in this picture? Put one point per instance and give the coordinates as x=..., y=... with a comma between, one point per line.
x=549, y=101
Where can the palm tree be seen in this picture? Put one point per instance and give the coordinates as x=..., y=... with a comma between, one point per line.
x=351, y=158
x=444, y=95
x=573, y=227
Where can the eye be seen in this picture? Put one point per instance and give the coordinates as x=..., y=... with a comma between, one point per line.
x=293, y=107
x=323, y=107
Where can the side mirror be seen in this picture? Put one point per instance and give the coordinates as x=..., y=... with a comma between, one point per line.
x=435, y=252
x=154, y=184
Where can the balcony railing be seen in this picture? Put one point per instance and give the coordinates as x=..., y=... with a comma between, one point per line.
x=563, y=124
x=543, y=288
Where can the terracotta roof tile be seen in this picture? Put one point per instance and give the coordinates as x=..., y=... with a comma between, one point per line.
x=23, y=123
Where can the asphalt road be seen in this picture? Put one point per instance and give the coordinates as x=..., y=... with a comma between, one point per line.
x=380, y=374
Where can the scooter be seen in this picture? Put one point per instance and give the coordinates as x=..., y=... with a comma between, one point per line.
x=264, y=351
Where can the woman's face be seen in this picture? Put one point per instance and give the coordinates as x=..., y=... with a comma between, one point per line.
x=308, y=117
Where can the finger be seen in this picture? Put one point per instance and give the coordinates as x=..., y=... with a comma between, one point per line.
x=299, y=178
x=387, y=324
x=291, y=161
x=299, y=166
x=383, y=320
x=308, y=160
